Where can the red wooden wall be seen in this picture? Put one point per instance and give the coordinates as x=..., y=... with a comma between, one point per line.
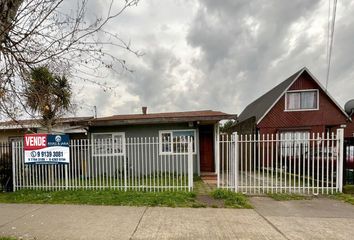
x=314, y=121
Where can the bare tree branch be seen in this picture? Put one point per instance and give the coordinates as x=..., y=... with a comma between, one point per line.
x=42, y=33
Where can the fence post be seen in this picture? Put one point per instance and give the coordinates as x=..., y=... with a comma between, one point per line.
x=340, y=137
x=13, y=166
x=190, y=164
x=217, y=154
x=236, y=160
x=125, y=169
x=66, y=176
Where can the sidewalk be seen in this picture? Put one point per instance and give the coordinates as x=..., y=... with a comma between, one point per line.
x=111, y=222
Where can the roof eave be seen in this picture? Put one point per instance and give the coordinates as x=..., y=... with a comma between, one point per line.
x=159, y=120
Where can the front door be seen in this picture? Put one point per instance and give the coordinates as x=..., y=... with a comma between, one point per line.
x=206, y=146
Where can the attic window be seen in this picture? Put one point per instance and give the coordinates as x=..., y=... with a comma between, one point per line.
x=301, y=100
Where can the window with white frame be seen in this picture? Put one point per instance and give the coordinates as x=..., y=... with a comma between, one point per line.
x=294, y=142
x=301, y=100
x=176, y=141
x=108, y=144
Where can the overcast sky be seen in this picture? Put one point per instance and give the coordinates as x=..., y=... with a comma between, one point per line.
x=220, y=55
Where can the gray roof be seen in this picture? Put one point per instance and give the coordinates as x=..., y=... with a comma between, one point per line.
x=260, y=106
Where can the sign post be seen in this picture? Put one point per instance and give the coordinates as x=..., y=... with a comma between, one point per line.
x=46, y=149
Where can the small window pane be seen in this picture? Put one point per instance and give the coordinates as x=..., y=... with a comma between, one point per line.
x=293, y=101
x=117, y=144
x=309, y=100
x=166, y=142
x=180, y=141
x=107, y=143
x=294, y=143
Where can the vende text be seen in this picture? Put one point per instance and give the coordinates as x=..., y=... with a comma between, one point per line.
x=36, y=141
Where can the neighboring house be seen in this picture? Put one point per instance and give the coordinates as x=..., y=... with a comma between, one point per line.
x=300, y=104
x=11, y=130
x=201, y=126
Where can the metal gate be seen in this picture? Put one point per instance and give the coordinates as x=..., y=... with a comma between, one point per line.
x=5, y=167
x=281, y=163
x=349, y=161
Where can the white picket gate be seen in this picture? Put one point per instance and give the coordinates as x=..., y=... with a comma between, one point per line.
x=123, y=164
x=281, y=163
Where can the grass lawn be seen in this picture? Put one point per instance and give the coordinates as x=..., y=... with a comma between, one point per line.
x=203, y=196
x=288, y=196
x=103, y=197
x=7, y=238
x=346, y=196
x=231, y=199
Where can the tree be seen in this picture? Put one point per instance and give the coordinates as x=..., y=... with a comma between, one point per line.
x=226, y=127
x=47, y=95
x=41, y=32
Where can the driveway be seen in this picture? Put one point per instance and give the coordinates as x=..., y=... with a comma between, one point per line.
x=313, y=219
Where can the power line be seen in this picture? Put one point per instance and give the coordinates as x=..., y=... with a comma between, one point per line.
x=330, y=40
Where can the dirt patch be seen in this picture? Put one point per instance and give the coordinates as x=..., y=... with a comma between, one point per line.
x=209, y=201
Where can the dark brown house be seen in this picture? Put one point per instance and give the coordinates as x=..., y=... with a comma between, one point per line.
x=297, y=105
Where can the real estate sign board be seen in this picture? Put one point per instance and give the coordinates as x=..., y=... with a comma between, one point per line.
x=46, y=149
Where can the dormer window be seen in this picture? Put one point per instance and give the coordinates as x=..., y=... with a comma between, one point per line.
x=301, y=100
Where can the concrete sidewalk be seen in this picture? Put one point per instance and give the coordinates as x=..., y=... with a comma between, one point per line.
x=270, y=220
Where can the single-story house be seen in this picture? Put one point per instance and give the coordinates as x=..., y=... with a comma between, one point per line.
x=201, y=126
x=169, y=127
x=11, y=130
x=299, y=104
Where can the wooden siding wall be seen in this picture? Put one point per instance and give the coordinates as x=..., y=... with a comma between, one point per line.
x=314, y=121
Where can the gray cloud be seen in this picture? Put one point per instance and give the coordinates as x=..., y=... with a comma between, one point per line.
x=224, y=54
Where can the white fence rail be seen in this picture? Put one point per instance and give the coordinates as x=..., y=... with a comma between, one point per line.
x=282, y=163
x=119, y=164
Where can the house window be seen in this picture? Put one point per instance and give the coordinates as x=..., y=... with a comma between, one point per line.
x=294, y=142
x=301, y=100
x=176, y=141
x=108, y=144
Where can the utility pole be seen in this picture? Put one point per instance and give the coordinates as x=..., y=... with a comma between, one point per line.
x=95, y=111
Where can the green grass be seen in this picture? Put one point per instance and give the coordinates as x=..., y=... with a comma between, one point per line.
x=103, y=197
x=349, y=189
x=349, y=198
x=8, y=238
x=231, y=199
x=346, y=196
x=288, y=196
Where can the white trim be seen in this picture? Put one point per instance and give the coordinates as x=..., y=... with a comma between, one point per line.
x=216, y=146
x=122, y=134
x=302, y=109
x=198, y=151
x=171, y=132
x=319, y=84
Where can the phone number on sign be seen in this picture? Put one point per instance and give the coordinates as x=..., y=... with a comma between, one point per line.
x=50, y=154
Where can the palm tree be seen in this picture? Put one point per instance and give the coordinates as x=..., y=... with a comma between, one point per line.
x=48, y=95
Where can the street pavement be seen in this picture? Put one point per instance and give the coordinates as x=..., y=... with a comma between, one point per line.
x=306, y=219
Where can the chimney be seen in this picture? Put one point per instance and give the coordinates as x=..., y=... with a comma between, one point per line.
x=144, y=110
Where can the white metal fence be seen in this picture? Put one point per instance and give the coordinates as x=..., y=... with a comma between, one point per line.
x=119, y=164
x=282, y=163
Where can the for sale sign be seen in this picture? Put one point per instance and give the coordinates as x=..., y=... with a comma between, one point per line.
x=46, y=149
